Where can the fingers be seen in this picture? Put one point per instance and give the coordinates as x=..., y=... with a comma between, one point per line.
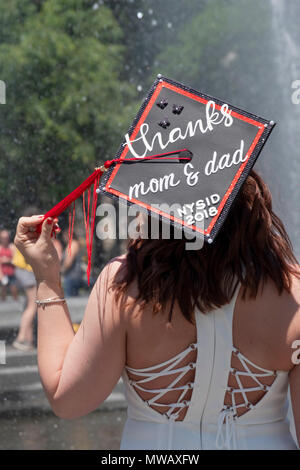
x=26, y=222
x=49, y=227
x=30, y=227
x=26, y=227
x=56, y=227
x=32, y=235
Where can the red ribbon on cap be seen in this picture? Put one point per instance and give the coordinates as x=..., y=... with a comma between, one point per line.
x=90, y=212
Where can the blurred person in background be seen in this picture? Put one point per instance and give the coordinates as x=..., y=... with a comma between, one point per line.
x=25, y=338
x=25, y=277
x=71, y=265
x=7, y=269
x=59, y=248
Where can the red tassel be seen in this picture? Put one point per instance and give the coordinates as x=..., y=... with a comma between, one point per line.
x=94, y=206
x=67, y=201
x=89, y=219
x=71, y=198
x=71, y=225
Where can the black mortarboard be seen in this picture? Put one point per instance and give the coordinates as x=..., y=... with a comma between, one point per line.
x=202, y=150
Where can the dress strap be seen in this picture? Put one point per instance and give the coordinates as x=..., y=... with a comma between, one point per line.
x=226, y=427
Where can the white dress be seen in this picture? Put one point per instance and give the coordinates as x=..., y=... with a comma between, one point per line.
x=207, y=423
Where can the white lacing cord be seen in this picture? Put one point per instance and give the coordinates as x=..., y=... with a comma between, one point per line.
x=170, y=432
x=148, y=375
x=228, y=415
x=227, y=418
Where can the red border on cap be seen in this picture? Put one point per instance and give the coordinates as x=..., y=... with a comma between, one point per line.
x=135, y=132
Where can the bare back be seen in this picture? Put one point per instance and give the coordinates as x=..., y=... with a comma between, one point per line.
x=264, y=330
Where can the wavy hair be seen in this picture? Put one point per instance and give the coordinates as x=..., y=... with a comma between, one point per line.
x=251, y=247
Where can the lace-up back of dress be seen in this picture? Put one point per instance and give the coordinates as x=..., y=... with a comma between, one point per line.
x=167, y=387
x=247, y=384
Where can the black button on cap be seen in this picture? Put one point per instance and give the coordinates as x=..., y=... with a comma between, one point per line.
x=162, y=104
x=177, y=109
x=164, y=123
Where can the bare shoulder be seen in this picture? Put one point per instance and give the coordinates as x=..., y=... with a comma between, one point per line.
x=107, y=281
x=286, y=306
x=269, y=324
x=292, y=301
x=112, y=268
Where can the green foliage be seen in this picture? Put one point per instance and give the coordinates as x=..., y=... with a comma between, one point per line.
x=67, y=106
x=145, y=38
x=73, y=70
x=223, y=51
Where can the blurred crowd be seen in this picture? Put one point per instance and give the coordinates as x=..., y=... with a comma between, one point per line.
x=8, y=279
x=16, y=277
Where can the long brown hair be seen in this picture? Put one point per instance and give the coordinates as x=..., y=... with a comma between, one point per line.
x=251, y=247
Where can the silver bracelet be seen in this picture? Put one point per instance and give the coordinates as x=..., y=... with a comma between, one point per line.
x=52, y=300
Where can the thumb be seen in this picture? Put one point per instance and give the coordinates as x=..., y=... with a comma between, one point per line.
x=47, y=227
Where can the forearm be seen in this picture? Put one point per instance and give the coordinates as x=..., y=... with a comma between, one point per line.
x=55, y=333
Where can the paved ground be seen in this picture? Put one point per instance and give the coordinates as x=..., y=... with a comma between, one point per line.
x=99, y=430
x=10, y=314
x=26, y=420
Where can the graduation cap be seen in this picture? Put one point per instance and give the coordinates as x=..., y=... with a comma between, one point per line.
x=184, y=160
x=212, y=145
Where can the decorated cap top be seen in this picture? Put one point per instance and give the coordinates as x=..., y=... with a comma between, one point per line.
x=202, y=150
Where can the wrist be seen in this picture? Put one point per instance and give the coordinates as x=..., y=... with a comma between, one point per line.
x=49, y=288
x=50, y=274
